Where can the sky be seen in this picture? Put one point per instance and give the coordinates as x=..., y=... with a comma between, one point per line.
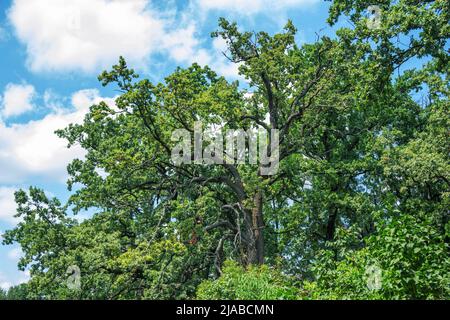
x=51, y=52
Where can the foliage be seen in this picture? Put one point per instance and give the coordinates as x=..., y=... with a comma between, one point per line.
x=255, y=283
x=409, y=252
x=18, y=292
x=363, y=175
x=2, y=294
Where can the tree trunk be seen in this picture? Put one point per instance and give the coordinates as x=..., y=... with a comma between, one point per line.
x=253, y=249
x=258, y=226
x=331, y=224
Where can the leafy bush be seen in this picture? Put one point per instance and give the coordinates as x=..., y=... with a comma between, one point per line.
x=412, y=257
x=255, y=283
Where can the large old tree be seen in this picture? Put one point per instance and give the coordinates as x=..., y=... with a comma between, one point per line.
x=363, y=153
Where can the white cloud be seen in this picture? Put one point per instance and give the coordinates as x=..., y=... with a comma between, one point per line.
x=24, y=277
x=188, y=50
x=251, y=7
x=232, y=5
x=87, y=34
x=183, y=44
x=7, y=205
x=33, y=148
x=83, y=99
x=5, y=285
x=90, y=35
x=52, y=100
x=17, y=99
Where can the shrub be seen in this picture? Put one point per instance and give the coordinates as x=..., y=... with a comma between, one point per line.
x=253, y=283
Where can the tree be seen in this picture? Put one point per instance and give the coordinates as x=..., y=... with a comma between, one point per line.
x=2, y=294
x=18, y=292
x=358, y=154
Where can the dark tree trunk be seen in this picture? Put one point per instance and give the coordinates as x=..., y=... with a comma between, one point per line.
x=252, y=233
x=331, y=224
x=258, y=226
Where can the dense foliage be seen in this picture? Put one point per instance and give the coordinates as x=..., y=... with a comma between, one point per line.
x=410, y=254
x=362, y=185
x=255, y=283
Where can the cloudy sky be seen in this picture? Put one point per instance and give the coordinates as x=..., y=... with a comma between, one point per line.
x=51, y=52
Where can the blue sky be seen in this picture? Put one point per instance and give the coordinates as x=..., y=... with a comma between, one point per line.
x=51, y=52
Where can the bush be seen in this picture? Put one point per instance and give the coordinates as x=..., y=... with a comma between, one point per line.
x=410, y=254
x=255, y=283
